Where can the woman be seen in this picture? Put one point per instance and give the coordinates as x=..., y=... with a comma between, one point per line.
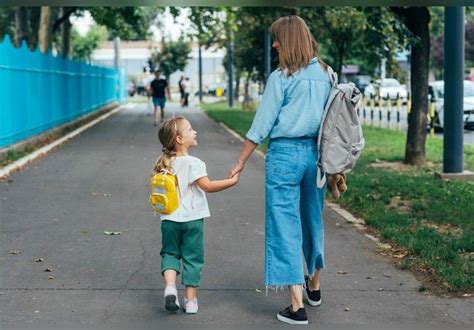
x=290, y=114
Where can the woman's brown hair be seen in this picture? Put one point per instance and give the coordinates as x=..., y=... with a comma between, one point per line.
x=167, y=134
x=297, y=44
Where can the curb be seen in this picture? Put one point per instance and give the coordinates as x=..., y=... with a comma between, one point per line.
x=18, y=164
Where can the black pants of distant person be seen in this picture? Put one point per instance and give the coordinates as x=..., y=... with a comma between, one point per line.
x=185, y=102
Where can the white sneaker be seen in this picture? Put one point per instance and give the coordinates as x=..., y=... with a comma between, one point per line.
x=171, y=299
x=190, y=306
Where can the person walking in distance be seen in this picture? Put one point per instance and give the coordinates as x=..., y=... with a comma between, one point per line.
x=159, y=89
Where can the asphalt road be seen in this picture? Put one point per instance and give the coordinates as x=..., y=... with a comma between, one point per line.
x=58, y=208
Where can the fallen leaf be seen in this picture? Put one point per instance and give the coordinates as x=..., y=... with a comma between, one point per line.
x=258, y=290
x=347, y=309
x=39, y=260
x=400, y=256
x=341, y=272
x=384, y=246
x=386, y=275
x=467, y=295
x=380, y=289
x=50, y=277
x=106, y=195
x=48, y=270
x=15, y=252
x=370, y=277
x=112, y=232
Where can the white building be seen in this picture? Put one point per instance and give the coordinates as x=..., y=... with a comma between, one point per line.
x=134, y=56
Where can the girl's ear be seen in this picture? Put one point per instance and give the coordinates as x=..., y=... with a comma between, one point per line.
x=179, y=139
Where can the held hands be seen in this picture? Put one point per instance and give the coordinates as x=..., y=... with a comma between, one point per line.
x=238, y=167
x=234, y=179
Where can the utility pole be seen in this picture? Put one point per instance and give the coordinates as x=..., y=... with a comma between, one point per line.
x=200, y=72
x=230, y=68
x=453, y=90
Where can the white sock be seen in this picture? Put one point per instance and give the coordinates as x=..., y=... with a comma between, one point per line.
x=171, y=290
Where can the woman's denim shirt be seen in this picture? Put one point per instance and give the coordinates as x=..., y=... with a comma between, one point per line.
x=292, y=107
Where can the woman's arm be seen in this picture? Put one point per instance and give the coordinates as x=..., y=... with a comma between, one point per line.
x=216, y=185
x=247, y=149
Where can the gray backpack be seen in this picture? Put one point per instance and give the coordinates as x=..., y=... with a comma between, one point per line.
x=340, y=139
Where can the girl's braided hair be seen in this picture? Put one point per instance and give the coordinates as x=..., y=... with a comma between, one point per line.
x=167, y=134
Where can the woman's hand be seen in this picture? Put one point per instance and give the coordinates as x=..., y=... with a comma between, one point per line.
x=238, y=167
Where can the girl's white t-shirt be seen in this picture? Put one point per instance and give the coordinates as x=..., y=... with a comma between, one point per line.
x=192, y=199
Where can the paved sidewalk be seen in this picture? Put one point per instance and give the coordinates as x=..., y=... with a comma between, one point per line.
x=59, y=207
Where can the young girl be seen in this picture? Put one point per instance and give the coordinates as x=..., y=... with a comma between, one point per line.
x=182, y=231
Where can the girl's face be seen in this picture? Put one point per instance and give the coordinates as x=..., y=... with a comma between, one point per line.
x=187, y=137
x=276, y=45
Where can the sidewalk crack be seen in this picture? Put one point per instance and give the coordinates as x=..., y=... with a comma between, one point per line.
x=108, y=311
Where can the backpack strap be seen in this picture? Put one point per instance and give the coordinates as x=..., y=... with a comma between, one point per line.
x=332, y=77
x=320, y=175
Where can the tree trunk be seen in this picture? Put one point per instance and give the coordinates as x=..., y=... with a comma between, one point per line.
x=417, y=20
x=237, y=85
x=340, y=62
x=246, y=102
x=44, y=34
x=20, y=25
x=66, y=37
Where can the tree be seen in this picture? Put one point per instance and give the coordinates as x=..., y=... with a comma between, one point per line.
x=206, y=23
x=340, y=27
x=45, y=29
x=20, y=25
x=173, y=56
x=29, y=23
x=417, y=20
x=83, y=46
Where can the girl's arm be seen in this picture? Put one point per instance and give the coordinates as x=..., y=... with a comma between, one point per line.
x=217, y=185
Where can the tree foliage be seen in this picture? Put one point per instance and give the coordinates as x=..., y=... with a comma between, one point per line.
x=172, y=56
x=83, y=46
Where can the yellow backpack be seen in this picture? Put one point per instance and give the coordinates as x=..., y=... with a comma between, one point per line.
x=164, y=197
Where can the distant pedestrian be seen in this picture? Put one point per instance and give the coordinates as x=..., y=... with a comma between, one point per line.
x=159, y=89
x=181, y=90
x=182, y=230
x=186, y=88
x=290, y=115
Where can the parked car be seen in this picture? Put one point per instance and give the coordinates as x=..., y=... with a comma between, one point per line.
x=388, y=87
x=213, y=88
x=362, y=82
x=436, y=91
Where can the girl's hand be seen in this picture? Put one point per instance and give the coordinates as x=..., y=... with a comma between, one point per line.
x=235, y=179
x=235, y=170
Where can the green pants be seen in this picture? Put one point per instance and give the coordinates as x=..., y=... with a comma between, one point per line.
x=183, y=241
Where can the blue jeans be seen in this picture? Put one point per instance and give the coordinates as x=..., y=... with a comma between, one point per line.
x=293, y=212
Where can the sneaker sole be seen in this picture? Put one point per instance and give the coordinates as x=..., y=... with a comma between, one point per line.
x=290, y=321
x=312, y=302
x=170, y=304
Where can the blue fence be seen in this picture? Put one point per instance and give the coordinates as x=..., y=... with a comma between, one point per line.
x=40, y=91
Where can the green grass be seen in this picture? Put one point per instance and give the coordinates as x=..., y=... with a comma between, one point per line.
x=430, y=218
x=13, y=155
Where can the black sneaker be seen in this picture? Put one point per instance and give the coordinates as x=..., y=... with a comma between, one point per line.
x=314, y=297
x=288, y=316
x=171, y=303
